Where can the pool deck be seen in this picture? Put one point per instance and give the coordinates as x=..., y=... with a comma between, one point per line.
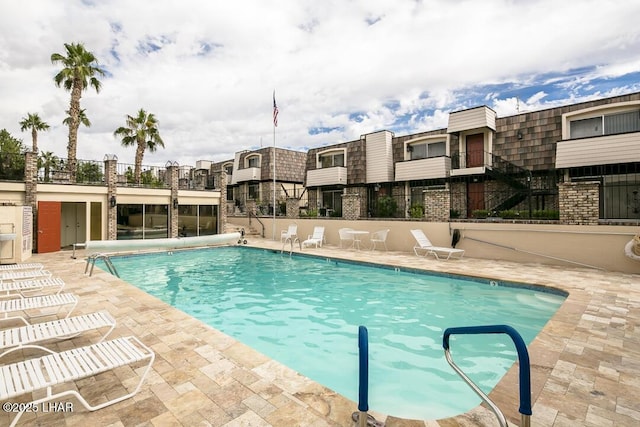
x=585, y=362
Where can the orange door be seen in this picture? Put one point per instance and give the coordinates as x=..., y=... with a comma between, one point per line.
x=475, y=150
x=475, y=197
x=49, y=226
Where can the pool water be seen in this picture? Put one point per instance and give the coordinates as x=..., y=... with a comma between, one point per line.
x=305, y=311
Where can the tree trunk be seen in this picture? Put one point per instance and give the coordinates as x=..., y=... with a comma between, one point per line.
x=34, y=138
x=139, y=155
x=74, y=123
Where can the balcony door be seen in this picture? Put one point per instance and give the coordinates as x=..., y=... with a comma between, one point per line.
x=475, y=150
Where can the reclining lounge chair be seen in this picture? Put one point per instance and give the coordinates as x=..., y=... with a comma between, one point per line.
x=36, y=306
x=31, y=287
x=21, y=266
x=30, y=336
x=423, y=243
x=58, y=369
x=316, y=238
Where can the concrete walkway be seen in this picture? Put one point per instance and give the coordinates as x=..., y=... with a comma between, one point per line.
x=585, y=362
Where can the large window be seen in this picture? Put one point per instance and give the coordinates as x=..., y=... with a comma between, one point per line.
x=253, y=191
x=607, y=124
x=197, y=220
x=330, y=160
x=137, y=221
x=426, y=150
x=331, y=203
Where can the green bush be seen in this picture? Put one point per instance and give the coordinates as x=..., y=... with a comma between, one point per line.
x=480, y=213
x=386, y=207
x=454, y=213
x=416, y=211
x=511, y=214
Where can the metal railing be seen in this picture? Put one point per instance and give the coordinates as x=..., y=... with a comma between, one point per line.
x=524, y=364
x=91, y=260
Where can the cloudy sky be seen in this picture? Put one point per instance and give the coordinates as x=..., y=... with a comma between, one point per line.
x=340, y=68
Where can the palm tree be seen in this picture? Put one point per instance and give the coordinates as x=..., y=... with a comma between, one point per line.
x=79, y=70
x=142, y=131
x=33, y=122
x=48, y=161
x=82, y=118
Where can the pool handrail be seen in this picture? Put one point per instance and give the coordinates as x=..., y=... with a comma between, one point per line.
x=524, y=372
x=363, y=371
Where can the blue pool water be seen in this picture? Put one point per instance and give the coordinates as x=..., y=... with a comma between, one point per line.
x=305, y=312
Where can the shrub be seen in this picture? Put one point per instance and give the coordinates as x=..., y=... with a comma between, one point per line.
x=416, y=211
x=386, y=207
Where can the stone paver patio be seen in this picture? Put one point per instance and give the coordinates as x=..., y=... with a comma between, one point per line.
x=585, y=362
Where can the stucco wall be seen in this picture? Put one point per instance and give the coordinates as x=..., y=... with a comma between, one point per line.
x=598, y=246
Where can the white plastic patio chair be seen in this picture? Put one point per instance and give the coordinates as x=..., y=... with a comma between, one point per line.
x=46, y=372
x=33, y=307
x=30, y=335
x=423, y=243
x=379, y=237
x=316, y=238
x=345, y=236
x=291, y=236
x=31, y=287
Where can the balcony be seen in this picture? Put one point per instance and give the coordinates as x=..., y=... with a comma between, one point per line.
x=248, y=174
x=470, y=163
x=327, y=176
x=433, y=168
x=601, y=150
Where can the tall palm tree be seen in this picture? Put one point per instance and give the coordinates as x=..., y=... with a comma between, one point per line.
x=32, y=121
x=141, y=131
x=82, y=118
x=79, y=70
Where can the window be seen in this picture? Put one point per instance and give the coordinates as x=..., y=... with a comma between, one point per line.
x=254, y=191
x=608, y=124
x=426, y=150
x=228, y=169
x=332, y=159
x=142, y=221
x=253, y=162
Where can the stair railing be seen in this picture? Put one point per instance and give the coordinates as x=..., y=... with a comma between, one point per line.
x=251, y=214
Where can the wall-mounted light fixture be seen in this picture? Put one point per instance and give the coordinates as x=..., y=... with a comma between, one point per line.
x=175, y=203
x=519, y=135
x=376, y=187
x=112, y=201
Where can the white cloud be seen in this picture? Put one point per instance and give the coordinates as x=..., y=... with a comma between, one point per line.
x=207, y=69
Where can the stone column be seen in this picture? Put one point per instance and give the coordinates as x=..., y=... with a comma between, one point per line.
x=172, y=175
x=111, y=178
x=579, y=202
x=222, y=208
x=437, y=205
x=350, y=206
x=31, y=190
x=293, y=207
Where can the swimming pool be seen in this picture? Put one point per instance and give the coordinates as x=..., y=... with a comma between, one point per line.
x=304, y=312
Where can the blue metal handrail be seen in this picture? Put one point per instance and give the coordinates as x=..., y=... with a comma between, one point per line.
x=523, y=358
x=363, y=386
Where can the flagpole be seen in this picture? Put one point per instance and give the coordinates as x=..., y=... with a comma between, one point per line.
x=275, y=124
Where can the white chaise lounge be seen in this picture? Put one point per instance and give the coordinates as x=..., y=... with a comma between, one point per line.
x=13, y=275
x=30, y=287
x=423, y=243
x=32, y=307
x=30, y=336
x=59, y=369
x=21, y=266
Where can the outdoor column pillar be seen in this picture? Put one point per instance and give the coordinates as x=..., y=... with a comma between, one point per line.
x=350, y=206
x=111, y=179
x=293, y=207
x=172, y=175
x=31, y=190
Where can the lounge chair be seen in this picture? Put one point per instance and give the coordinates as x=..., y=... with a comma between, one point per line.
x=316, y=238
x=44, y=373
x=30, y=287
x=379, y=237
x=28, y=336
x=36, y=306
x=423, y=243
x=345, y=236
x=23, y=274
x=291, y=235
x=21, y=266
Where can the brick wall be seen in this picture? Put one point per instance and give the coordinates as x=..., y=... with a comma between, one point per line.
x=351, y=206
x=437, y=205
x=579, y=202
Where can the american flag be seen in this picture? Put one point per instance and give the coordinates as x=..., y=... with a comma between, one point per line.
x=275, y=110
